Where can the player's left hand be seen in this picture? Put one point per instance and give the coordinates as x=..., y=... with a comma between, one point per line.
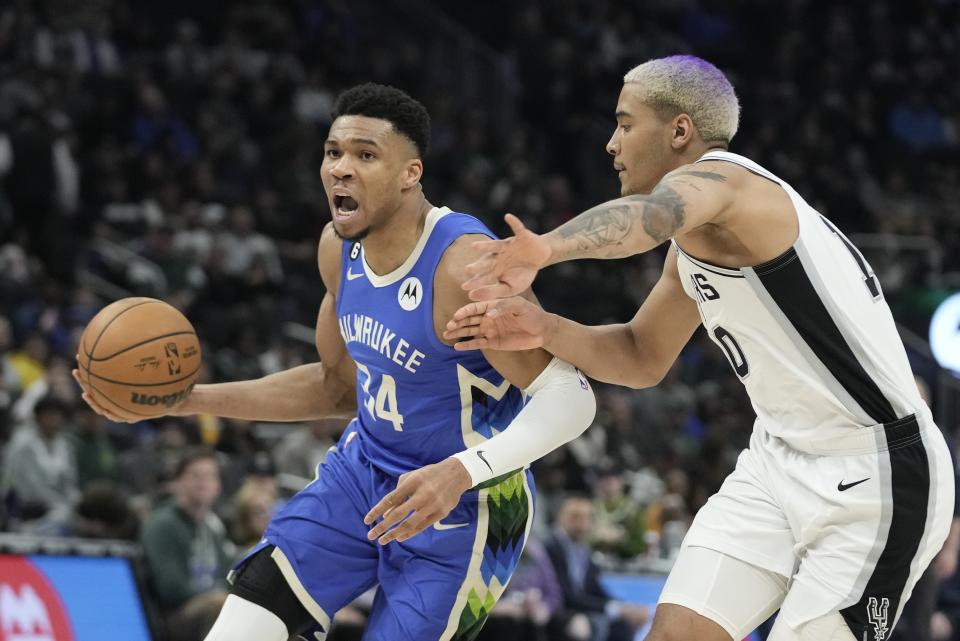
x=508, y=266
x=422, y=498
x=507, y=324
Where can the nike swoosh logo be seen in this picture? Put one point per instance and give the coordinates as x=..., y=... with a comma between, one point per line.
x=352, y=276
x=448, y=526
x=484, y=459
x=843, y=487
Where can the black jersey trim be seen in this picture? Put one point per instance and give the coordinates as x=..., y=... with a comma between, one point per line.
x=874, y=615
x=789, y=286
x=708, y=266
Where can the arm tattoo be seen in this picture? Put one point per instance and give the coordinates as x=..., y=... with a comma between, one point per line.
x=661, y=214
x=706, y=175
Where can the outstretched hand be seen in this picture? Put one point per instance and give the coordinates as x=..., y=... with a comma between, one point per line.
x=422, y=498
x=508, y=266
x=509, y=324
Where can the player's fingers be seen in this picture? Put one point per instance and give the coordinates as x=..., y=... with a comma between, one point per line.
x=99, y=409
x=482, y=267
x=489, y=246
x=516, y=225
x=481, y=280
x=76, y=377
x=490, y=292
x=476, y=343
x=414, y=526
x=471, y=322
x=383, y=506
x=391, y=520
x=468, y=310
x=463, y=332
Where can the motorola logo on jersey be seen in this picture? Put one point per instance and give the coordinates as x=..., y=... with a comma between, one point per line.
x=410, y=294
x=30, y=609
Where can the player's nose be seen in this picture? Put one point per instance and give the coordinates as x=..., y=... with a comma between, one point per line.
x=613, y=145
x=341, y=169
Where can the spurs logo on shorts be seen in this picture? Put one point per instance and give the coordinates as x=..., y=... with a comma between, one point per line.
x=877, y=615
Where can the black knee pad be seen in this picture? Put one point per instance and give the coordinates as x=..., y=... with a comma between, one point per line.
x=260, y=581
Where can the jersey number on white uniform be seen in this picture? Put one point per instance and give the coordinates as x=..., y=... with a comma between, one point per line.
x=732, y=349
x=384, y=406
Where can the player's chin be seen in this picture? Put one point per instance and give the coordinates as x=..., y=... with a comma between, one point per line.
x=350, y=232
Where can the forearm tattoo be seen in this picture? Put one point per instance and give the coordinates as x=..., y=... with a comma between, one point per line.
x=660, y=213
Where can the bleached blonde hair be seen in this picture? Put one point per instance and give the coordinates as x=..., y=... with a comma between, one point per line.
x=690, y=85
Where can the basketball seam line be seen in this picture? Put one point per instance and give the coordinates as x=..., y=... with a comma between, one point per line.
x=102, y=331
x=112, y=402
x=110, y=322
x=130, y=384
x=136, y=345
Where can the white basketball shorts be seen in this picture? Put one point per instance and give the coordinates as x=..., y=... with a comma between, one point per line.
x=852, y=522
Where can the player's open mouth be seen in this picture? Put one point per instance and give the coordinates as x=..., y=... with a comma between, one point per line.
x=344, y=207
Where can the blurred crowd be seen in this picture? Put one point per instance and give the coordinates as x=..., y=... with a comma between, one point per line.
x=172, y=149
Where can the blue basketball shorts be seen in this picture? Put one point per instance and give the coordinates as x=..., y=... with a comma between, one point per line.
x=439, y=585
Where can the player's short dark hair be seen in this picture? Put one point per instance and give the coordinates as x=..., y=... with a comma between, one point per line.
x=407, y=115
x=192, y=455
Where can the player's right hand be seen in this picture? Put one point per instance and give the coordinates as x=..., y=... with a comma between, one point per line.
x=508, y=266
x=94, y=405
x=509, y=324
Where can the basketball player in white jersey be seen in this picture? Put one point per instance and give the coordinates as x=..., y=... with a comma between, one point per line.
x=846, y=492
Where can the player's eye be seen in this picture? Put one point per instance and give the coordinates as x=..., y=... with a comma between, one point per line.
x=625, y=128
x=332, y=153
x=367, y=155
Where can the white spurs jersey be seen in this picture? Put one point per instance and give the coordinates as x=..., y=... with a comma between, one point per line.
x=809, y=332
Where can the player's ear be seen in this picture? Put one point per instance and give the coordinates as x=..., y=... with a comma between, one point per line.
x=682, y=131
x=412, y=173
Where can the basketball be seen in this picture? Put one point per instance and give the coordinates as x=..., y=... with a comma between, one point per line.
x=139, y=357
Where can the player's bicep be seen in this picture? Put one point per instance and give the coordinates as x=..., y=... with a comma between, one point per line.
x=520, y=368
x=665, y=321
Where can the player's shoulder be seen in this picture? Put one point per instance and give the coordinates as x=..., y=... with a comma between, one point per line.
x=720, y=172
x=458, y=255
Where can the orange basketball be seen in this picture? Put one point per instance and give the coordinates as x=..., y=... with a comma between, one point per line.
x=139, y=358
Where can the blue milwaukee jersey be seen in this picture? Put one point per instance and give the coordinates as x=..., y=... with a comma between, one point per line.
x=419, y=399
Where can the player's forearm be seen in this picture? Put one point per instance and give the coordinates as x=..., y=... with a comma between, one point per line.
x=619, y=228
x=607, y=353
x=301, y=393
x=561, y=409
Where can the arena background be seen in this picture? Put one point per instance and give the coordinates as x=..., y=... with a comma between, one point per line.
x=171, y=149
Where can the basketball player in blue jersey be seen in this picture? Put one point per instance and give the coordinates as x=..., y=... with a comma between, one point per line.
x=846, y=492
x=440, y=439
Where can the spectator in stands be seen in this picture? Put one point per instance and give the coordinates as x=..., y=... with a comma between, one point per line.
x=253, y=507
x=104, y=513
x=187, y=549
x=95, y=454
x=244, y=248
x=535, y=593
x=302, y=450
x=619, y=525
x=30, y=359
x=579, y=576
x=10, y=384
x=39, y=468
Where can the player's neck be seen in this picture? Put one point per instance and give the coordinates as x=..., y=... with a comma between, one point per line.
x=386, y=248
